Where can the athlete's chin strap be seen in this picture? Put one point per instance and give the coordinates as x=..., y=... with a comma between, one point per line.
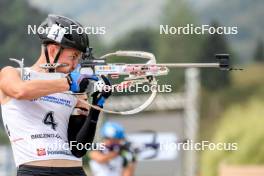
x=52, y=66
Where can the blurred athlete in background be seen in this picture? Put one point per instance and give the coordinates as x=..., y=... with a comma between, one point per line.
x=114, y=160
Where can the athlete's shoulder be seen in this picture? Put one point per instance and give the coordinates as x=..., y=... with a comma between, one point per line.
x=9, y=69
x=8, y=72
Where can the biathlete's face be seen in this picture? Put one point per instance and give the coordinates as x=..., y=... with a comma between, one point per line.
x=68, y=56
x=111, y=141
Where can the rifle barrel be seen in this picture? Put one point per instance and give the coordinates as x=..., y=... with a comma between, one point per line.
x=184, y=65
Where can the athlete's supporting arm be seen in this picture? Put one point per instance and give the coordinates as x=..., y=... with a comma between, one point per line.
x=130, y=161
x=81, y=129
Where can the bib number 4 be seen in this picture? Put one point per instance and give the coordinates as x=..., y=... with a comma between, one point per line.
x=49, y=120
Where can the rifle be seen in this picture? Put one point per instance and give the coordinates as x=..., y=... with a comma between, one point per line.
x=135, y=74
x=140, y=73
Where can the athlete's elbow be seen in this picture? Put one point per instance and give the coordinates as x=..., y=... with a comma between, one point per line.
x=20, y=95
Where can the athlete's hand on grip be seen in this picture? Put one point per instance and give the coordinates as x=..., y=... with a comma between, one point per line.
x=78, y=82
x=99, y=97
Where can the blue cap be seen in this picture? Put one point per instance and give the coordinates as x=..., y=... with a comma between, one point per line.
x=113, y=130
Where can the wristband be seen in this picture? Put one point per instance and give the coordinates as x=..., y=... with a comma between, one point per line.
x=101, y=101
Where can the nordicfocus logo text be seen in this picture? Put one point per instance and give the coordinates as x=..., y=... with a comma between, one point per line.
x=200, y=30
x=140, y=87
x=96, y=30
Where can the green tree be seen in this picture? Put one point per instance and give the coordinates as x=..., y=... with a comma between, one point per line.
x=259, y=51
x=166, y=47
x=15, y=16
x=177, y=47
x=139, y=39
x=241, y=127
x=213, y=79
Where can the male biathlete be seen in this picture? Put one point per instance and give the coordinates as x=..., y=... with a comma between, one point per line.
x=36, y=109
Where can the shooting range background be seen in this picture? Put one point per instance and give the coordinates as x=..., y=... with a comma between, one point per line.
x=230, y=104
